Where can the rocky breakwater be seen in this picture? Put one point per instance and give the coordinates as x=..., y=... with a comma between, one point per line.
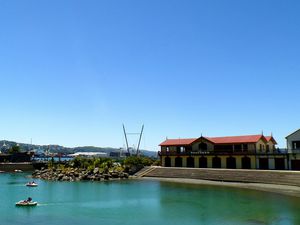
x=75, y=174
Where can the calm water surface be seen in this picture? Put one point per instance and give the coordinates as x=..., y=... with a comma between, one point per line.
x=141, y=202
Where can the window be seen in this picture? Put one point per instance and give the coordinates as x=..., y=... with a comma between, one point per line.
x=237, y=148
x=181, y=149
x=203, y=147
x=296, y=144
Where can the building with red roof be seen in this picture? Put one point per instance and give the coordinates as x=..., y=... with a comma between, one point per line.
x=242, y=152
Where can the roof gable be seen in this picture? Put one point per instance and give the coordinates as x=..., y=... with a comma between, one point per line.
x=270, y=138
x=293, y=133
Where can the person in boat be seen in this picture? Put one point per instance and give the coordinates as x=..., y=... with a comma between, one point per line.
x=31, y=182
x=29, y=199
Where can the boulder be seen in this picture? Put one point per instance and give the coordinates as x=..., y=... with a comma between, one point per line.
x=115, y=175
x=96, y=170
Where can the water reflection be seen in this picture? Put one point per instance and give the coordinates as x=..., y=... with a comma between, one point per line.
x=226, y=205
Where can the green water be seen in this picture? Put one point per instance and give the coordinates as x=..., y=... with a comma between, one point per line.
x=141, y=202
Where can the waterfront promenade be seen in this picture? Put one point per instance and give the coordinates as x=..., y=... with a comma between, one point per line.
x=284, y=182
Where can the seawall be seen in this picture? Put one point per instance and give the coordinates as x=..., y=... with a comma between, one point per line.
x=228, y=175
x=24, y=166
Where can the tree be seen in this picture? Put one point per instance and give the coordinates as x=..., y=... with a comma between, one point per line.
x=14, y=149
x=138, y=161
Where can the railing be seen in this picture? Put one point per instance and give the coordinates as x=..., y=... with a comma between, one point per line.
x=249, y=152
x=286, y=151
x=294, y=151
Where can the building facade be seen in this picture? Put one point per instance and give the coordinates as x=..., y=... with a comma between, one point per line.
x=234, y=152
x=293, y=148
x=293, y=140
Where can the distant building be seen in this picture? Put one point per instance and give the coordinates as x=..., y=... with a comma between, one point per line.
x=233, y=152
x=115, y=154
x=89, y=154
x=118, y=155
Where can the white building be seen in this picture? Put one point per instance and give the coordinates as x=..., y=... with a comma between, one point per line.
x=90, y=154
x=293, y=141
x=293, y=147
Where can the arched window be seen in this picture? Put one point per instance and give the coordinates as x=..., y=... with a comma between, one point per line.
x=246, y=163
x=216, y=162
x=178, y=162
x=231, y=163
x=263, y=163
x=202, y=162
x=190, y=162
x=167, y=162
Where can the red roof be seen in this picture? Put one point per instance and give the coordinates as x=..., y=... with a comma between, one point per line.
x=219, y=140
x=175, y=142
x=236, y=139
x=270, y=138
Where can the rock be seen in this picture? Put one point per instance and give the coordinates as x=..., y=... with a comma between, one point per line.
x=106, y=176
x=85, y=178
x=115, y=175
x=96, y=170
x=65, y=178
x=98, y=178
x=77, y=174
x=60, y=176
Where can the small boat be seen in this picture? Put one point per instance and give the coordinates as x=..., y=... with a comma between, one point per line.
x=26, y=203
x=18, y=171
x=31, y=184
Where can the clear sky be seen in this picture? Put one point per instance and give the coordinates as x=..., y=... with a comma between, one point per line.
x=72, y=72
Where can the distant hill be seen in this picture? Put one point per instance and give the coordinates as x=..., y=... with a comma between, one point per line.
x=5, y=145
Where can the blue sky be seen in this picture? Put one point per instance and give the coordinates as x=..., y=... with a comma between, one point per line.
x=73, y=71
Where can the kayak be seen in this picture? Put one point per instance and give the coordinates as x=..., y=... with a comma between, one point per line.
x=24, y=203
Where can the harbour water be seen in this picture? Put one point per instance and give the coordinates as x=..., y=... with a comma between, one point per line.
x=136, y=202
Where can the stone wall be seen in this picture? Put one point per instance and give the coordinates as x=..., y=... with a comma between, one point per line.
x=229, y=175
